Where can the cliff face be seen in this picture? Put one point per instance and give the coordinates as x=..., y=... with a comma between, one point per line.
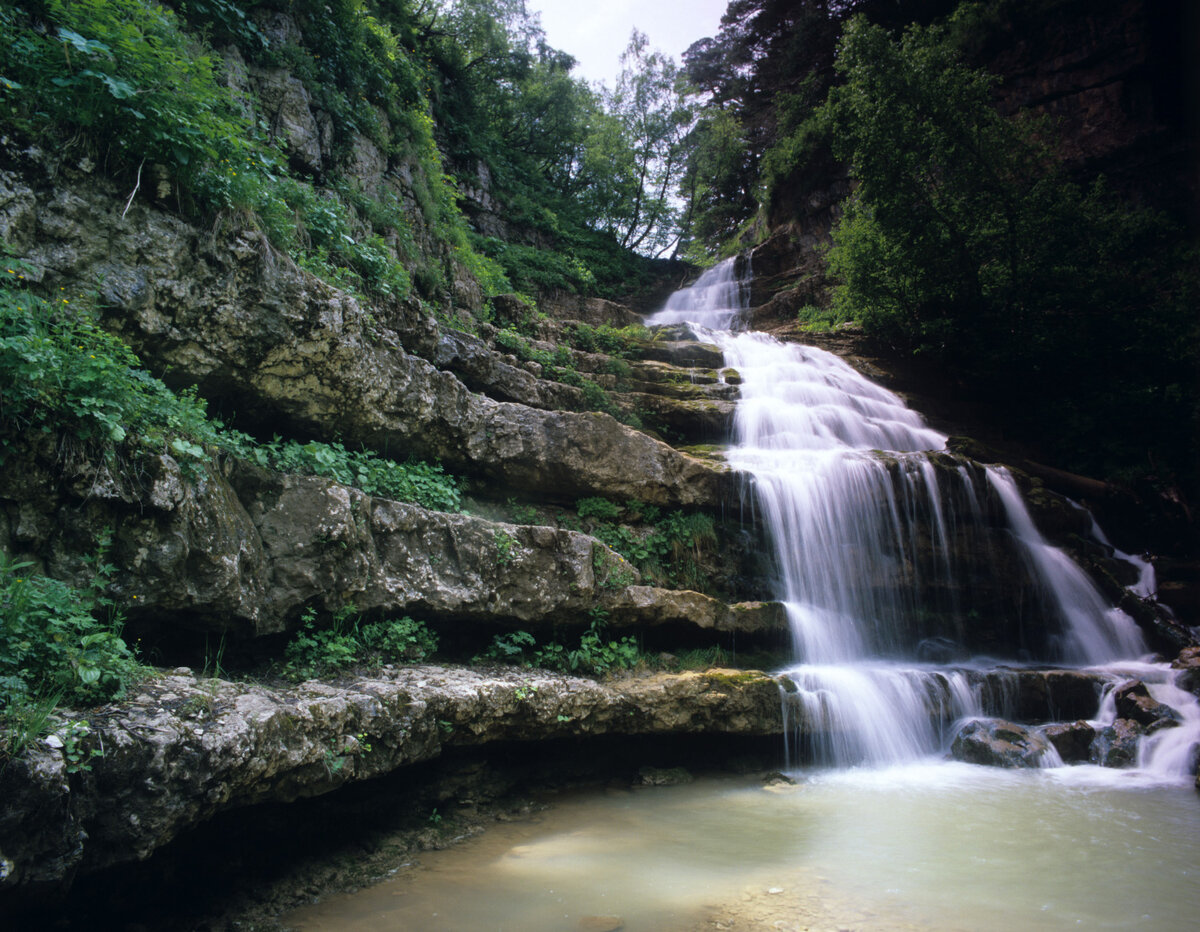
x=1115, y=80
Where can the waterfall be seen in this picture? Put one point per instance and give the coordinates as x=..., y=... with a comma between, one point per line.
x=892, y=556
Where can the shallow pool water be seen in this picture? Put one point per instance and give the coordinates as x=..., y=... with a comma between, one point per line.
x=931, y=845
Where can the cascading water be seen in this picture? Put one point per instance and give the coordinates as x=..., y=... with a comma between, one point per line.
x=900, y=569
x=890, y=554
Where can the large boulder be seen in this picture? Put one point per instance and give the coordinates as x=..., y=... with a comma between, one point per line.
x=1188, y=663
x=1134, y=702
x=1116, y=745
x=1072, y=740
x=999, y=743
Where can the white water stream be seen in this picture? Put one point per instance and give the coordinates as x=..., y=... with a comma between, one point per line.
x=867, y=528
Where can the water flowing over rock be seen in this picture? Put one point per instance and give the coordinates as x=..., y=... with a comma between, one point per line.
x=893, y=553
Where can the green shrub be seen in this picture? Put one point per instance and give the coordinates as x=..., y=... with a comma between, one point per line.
x=59, y=371
x=60, y=642
x=509, y=648
x=533, y=270
x=314, y=651
x=124, y=72
x=615, y=341
x=426, y=484
x=594, y=655
x=668, y=552
x=599, y=508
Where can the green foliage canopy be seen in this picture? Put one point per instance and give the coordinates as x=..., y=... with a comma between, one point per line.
x=965, y=242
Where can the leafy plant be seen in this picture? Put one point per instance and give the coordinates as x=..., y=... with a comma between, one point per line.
x=506, y=546
x=57, y=643
x=124, y=71
x=599, y=508
x=315, y=651
x=510, y=647
x=669, y=551
x=423, y=483
x=62, y=371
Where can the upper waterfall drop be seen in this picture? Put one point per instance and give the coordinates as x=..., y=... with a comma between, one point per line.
x=889, y=552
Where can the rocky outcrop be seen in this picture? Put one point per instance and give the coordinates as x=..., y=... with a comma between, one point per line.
x=1188, y=663
x=243, y=322
x=1116, y=745
x=1039, y=696
x=648, y=607
x=184, y=748
x=1072, y=740
x=244, y=549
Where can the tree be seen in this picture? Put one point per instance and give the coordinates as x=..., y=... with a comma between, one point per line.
x=755, y=83
x=654, y=119
x=964, y=241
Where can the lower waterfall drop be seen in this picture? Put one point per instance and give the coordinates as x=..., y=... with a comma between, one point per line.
x=914, y=581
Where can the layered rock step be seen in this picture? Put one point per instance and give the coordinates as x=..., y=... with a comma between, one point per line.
x=185, y=747
x=245, y=549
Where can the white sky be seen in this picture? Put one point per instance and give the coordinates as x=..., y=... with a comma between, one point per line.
x=596, y=32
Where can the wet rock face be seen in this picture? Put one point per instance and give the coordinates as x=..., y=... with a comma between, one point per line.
x=1000, y=743
x=1117, y=744
x=182, y=748
x=1135, y=703
x=1039, y=696
x=1188, y=662
x=1072, y=740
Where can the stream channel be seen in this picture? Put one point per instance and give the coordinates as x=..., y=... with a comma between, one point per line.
x=888, y=554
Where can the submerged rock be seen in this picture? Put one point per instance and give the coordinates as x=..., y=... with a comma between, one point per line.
x=664, y=776
x=999, y=743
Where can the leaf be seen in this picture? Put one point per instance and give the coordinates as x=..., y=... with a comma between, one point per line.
x=86, y=46
x=122, y=90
